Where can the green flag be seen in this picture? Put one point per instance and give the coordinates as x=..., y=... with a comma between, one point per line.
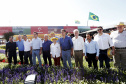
x=94, y=17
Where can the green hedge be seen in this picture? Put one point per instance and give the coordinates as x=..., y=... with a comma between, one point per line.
x=3, y=47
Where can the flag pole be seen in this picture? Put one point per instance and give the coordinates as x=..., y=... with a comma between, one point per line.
x=87, y=22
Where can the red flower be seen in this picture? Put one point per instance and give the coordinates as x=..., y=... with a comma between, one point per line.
x=3, y=60
x=19, y=63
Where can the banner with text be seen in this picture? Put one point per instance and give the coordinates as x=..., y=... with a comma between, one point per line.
x=5, y=30
x=39, y=29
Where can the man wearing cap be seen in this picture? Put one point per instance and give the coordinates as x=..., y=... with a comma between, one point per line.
x=104, y=42
x=46, y=50
x=55, y=51
x=36, y=49
x=78, y=46
x=119, y=41
x=66, y=45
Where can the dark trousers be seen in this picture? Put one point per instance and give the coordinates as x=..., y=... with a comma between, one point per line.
x=92, y=58
x=26, y=56
x=103, y=57
x=21, y=54
x=46, y=54
x=79, y=58
x=14, y=55
x=57, y=61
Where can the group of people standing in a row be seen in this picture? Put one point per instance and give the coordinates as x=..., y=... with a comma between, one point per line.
x=64, y=47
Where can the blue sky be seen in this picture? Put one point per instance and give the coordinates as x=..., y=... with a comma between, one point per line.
x=61, y=12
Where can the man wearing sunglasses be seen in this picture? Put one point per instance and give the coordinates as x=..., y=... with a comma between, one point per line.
x=104, y=42
x=119, y=41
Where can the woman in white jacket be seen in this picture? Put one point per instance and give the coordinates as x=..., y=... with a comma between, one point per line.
x=55, y=51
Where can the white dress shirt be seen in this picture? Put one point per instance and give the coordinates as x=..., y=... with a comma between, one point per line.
x=103, y=41
x=27, y=45
x=78, y=43
x=119, y=39
x=36, y=43
x=55, y=50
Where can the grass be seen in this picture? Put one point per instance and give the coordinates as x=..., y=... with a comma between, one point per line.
x=85, y=63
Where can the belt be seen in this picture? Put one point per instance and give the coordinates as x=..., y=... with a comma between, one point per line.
x=121, y=48
x=36, y=49
x=91, y=53
x=65, y=49
x=77, y=50
x=104, y=49
x=26, y=51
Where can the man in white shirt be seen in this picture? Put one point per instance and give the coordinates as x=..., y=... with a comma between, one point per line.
x=78, y=47
x=104, y=42
x=119, y=41
x=27, y=46
x=55, y=51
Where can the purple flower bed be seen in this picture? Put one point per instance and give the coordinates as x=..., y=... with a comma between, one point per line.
x=58, y=74
x=2, y=51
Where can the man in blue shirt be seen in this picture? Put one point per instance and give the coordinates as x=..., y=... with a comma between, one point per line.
x=20, y=46
x=66, y=48
x=46, y=50
x=36, y=49
x=91, y=51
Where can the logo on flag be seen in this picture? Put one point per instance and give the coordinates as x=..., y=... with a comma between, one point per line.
x=94, y=17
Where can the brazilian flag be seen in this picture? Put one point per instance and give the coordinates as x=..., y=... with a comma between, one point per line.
x=77, y=22
x=94, y=17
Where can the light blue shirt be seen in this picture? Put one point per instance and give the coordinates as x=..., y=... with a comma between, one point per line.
x=36, y=43
x=91, y=47
x=20, y=45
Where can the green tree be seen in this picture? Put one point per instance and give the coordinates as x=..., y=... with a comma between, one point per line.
x=6, y=35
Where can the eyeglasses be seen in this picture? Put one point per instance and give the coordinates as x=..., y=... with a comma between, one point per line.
x=99, y=29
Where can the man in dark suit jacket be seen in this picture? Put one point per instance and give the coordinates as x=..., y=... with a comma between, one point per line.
x=11, y=50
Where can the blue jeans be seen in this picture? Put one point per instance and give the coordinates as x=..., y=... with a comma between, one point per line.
x=103, y=56
x=34, y=54
x=66, y=55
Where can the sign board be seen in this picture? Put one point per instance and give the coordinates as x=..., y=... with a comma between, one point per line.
x=21, y=30
x=70, y=28
x=5, y=30
x=39, y=29
x=55, y=29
